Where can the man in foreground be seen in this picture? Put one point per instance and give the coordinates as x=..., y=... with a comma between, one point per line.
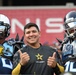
x=35, y=58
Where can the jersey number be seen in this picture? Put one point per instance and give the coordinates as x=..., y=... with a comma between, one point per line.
x=69, y=66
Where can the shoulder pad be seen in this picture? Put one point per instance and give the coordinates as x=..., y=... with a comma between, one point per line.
x=11, y=41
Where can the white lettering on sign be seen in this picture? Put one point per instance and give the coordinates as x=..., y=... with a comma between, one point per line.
x=52, y=23
x=15, y=23
x=37, y=21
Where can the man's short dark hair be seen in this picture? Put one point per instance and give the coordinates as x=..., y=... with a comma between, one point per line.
x=27, y=26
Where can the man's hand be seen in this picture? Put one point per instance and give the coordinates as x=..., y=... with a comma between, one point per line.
x=24, y=57
x=52, y=61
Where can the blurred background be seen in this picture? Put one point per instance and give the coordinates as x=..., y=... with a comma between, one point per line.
x=47, y=14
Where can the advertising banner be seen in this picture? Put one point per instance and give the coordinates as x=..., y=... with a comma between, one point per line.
x=50, y=22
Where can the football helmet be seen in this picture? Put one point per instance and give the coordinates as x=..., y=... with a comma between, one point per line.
x=70, y=23
x=4, y=26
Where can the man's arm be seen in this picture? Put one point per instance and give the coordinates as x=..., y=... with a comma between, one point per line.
x=52, y=62
x=61, y=68
x=16, y=70
x=16, y=64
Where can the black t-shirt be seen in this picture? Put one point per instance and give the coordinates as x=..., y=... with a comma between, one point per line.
x=37, y=64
